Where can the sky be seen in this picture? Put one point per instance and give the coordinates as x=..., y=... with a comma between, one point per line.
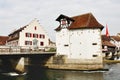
x=18, y=13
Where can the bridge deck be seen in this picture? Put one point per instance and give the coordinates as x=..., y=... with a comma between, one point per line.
x=24, y=51
x=27, y=54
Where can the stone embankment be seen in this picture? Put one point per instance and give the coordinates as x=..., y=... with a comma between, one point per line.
x=111, y=61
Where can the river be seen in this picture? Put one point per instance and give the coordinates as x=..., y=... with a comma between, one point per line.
x=35, y=73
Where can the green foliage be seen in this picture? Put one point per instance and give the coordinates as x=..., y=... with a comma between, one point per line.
x=52, y=50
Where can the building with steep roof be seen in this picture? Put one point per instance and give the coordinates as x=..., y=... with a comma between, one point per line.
x=110, y=46
x=78, y=38
x=30, y=36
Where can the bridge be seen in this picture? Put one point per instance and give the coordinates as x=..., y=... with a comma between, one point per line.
x=21, y=51
x=12, y=56
x=26, y=54
x=25, y=51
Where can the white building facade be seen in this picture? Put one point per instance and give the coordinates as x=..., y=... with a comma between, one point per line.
x=79, y=37
x=32, y=35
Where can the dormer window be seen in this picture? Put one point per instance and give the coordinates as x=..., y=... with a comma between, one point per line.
x=63, y=21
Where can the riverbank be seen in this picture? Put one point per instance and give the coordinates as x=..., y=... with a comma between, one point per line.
x=111, y=61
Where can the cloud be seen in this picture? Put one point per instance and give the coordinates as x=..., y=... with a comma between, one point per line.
x=17, y=13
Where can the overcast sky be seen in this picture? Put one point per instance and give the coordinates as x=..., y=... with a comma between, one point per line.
x=17, y=13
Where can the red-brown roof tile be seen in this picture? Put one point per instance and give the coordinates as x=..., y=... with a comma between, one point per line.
x=117, y=38
x=85, y=21
x=105, y=38
x=106, y=41
x=3, y=40
x=82, y=21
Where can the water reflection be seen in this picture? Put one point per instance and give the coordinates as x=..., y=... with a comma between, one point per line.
x=37, y=73
x=113, y=73
x=4, y=77
x=43, y=74
x=74, y=75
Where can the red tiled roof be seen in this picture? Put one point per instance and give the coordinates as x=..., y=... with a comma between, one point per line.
x=117, y=38
x=105, y=38
x=83, y=21
x=3, y=40
x=106, y=41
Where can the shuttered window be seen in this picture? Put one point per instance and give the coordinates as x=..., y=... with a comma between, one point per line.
x=42, y=36
x=28, y=34
x=28, y=42
x=41, y=43
x=35, y=35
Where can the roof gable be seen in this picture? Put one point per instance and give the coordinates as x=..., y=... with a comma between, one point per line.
x=22, y=28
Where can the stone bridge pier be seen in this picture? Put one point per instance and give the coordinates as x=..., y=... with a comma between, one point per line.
x=18, y=63
x=8, y=64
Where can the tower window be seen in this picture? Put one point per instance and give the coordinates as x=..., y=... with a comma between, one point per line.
x=35, y=28
x=94, y=43
x=66, y=45
x=95, y=55
x=63, y=21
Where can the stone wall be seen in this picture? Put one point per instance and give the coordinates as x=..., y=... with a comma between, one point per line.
x=61, y=62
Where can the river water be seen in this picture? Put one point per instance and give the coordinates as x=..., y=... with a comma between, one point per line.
x=35, y=73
